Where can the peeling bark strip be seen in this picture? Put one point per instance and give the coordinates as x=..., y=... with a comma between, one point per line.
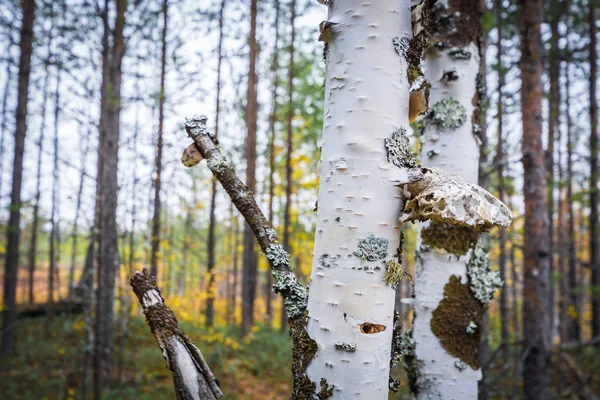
x=192, y=376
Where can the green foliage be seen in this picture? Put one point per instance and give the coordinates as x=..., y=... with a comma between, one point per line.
x=51, y=355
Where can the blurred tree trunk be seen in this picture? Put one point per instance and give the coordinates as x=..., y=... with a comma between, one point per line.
x=75, y=234
x=484, y=182
x=38, y=192
x=3, y=119
x=290, y=149
x=553, y=126
x=110, y=107
x=250, y=264
x=159, y=145
x=536, y=302
x=272, y=122
x=9, y=312
x=594, y=199
x=572, y=285
x=210, y=302
x=55, y=212
x=499, y=164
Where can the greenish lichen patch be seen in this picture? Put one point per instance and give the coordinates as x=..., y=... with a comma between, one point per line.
x=471, y=328
x=399, y=152
x=456, y=54
x=401, y=45
x=372, y=248
x=484, y=281
x=447, y=113
x=461, y=366
x=403, y=352
x=451, y=318
x=271, y=234
x=326, y=390
x=197, y=125
x=278, y=256
x=344, y=346
x=303, y=352
x=295, y=295
x=451, y=238
x=216, y=162
x=394, y=273
x=328, y=261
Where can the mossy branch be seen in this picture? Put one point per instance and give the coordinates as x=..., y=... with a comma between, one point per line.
x=294, y=294
x=192, y=376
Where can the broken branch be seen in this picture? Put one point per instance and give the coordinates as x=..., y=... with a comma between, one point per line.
x=192, y=376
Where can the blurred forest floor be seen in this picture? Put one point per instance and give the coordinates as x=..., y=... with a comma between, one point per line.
x=50, y=360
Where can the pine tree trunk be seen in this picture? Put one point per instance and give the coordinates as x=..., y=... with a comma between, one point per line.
x=289, y=150
x=250, y=263
x=3, y=119
x=272, y=122
x=9, y=312
x=572, y=284
x=594, y=198
x=553, y=126
x=54, y=214
x=159, y=145
x=210, y=302
x=38, y=193
x=108, y=257
x=75, y=233
x=499, y=163
x=536, y=301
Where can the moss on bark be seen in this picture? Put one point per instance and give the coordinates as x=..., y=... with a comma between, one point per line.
x=454, y=239
x=453, y=320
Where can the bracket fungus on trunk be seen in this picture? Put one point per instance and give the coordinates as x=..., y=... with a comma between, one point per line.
x=444, y=197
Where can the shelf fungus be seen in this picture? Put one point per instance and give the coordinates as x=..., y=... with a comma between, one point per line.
x=448, y=198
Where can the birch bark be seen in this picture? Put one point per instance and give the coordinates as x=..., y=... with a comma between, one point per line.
x=449, y=311
x=366, y=100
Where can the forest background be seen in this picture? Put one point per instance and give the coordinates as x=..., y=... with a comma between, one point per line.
x=183, y=57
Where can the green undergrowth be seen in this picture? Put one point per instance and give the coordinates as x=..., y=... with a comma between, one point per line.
x=50, y=359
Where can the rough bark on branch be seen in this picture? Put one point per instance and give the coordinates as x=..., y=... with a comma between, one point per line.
x=205, y=147
x=192, y=376
x=294, y=294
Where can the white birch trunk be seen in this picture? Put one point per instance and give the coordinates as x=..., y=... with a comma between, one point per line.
x=454, y=149
x=366, y=101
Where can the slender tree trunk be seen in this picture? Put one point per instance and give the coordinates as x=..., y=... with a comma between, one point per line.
x=594, y=198
x=572, y=321
x=250, y=266
x=234, y=292
x=499, y=163
x=536, y=301
x=54, y=215
x=108, y=258
x=272, y=122
x=210, y=300
x=38, y=193
x=290, y=149
x=553, y=125
x=3, y=119
x=159, y=145
x=9, y=312
x=75, y=233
